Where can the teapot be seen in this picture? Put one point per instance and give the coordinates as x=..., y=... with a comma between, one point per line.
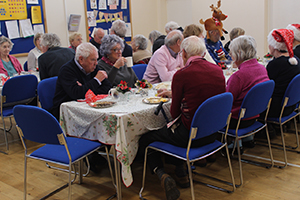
x=113, y=93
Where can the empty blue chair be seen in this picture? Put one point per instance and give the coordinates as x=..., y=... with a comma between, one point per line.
x=290, y=98
x=256, y=101
x=46, y=91
x=211, y=116
x=25, y=66
x=139, y=70
x=16, y=90
x=38, y=125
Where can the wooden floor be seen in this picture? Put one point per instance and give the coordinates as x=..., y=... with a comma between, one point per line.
x=259, y=182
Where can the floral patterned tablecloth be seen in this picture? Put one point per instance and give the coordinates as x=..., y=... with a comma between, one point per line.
x=120, y=125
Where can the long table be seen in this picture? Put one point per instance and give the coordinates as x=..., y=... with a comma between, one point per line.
x=120, y=125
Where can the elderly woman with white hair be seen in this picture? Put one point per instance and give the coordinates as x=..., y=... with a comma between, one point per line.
x=114, y=63
x=34, y=54
x=75, y=39
x=53, y=56
x=139, y=45
x=9, y=65
x=282, y=69
x=243, y=52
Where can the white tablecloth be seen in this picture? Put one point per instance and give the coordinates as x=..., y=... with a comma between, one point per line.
x=120, y=125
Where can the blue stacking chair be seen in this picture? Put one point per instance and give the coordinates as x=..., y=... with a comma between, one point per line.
x=46, y=91
x=256, y=101
x=38, y=125
x=139, y=70
x=211, y=116
x=25, y=66
x=290, y=98
x=16, y=90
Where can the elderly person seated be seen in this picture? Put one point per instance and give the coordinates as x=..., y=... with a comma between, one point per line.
x=153, y=35
x=79, y=75
x=234, y=33
x=9, y=65
x=250, y=73
x=166, y=60
x=191, y=86
x=75, y=39
x=118, y=28
x=96, y=40
x=114, y=63
x=139, y=47
x=296, y=42
x=34, y=54
x=196, y=30
x=53, y=56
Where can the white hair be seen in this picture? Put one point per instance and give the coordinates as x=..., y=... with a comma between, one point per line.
x=85, y=49
x=193, y=46
x=243, y=48
x=119, y=27
x=50, y=40
x=170, y=26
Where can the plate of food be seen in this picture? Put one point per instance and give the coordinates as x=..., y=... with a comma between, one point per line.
x=101, y=104
x=163, y=85
x=155, y=100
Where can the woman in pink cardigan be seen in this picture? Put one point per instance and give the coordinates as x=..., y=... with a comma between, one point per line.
x=9, y=65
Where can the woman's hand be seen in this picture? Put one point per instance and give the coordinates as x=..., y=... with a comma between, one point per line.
x=164, y=93
x=120, y=62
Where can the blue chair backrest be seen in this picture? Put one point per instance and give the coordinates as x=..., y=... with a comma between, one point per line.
x=211, y=116
x=257, y=99
x=37, y=124
x=25, y=66
x=46, y=91
x=139, y=70
x=293, y=91
x=20, y=88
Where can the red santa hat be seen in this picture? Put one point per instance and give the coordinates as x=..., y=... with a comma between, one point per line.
x=296, y=29
x=282, y=39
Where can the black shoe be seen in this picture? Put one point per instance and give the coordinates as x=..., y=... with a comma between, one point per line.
x=249, y=144
x=96, y=162
x=169, y=185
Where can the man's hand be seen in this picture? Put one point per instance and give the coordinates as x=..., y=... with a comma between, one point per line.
x=164, y=93
x=120, y=62
x=101, y=75
x=78, y=83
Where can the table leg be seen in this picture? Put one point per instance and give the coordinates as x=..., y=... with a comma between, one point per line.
x=117, y=174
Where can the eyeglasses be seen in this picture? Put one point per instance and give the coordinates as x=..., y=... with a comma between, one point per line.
x=116, y=50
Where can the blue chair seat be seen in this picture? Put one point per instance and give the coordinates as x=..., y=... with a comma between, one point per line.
x=7, y=111
x=245, y=131
x=181, y=152
x=283, y=119
x=56, y=153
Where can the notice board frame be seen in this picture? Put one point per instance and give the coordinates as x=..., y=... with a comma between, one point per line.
x=106, y=26
x=23, y=45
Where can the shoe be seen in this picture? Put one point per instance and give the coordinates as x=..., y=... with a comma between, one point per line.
x=183, y=182
x=169, y=185
x=201, y=163
x=249, y=144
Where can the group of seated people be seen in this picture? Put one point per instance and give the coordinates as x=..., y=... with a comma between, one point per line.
x=185, y=57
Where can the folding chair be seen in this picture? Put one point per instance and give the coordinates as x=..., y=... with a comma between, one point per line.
x=46, y=91
x=16, y=90
x=139, y=70
x=212, y=115
x=290, y=98
x=25, y=66
x=256, y=101
x=38, y=125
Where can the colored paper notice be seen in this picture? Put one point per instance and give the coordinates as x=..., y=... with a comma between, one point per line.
x=13, y=9
x=36, y=15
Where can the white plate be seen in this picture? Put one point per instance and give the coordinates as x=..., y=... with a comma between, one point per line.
x=155, y=100
x=163, y=85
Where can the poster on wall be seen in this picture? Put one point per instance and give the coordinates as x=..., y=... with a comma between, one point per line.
x=102, y=5
x=33, y=1
x=13, y=10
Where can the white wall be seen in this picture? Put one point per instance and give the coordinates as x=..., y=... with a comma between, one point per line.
x=257, y=17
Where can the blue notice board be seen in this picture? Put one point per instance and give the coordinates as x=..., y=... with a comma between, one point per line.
x=23, y=45
x=104, y=16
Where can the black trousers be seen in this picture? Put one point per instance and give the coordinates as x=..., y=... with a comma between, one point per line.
x=180, y=138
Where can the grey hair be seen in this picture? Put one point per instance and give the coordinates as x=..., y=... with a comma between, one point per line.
x=154, y=35
x=36, y=37
x=193, y=45
x=119, y=27
x=85, y=49
x=170, y=26
x=173, y=37
x=243, y=48
x=140, y=41
x=235, y=32
x=50, y=40
x=5, y=39
x=73, y=36
x=108, y=42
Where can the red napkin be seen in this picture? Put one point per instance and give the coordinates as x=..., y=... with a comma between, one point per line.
x=91, y=97
x=4, y=79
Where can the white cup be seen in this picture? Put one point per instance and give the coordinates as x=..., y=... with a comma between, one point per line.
x=129, y=61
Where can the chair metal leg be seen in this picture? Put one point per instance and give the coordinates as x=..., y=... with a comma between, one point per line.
x=144, y=175
x=25, y=177
x=191, y=179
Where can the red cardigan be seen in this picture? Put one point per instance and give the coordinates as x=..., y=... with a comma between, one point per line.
x=192, y=85
x=17, y=65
